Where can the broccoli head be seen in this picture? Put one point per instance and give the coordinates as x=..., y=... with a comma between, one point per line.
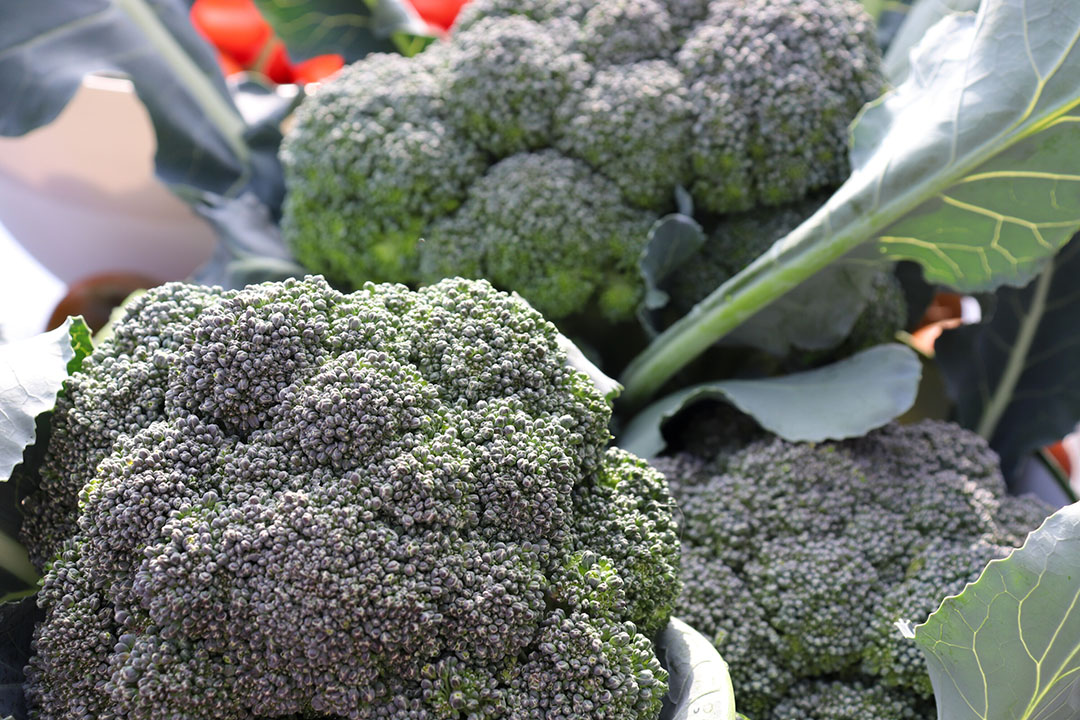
x=285, y=501
x=744, y=104
x=798, y=559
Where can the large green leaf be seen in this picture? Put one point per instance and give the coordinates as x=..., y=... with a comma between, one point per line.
x=46, y=48
x=968, y=168
x=1016, y=376
x=32, y=373
x=846, y=399
x=699, y=687
x=921, y=16
x=1008, y=646
x=213, y=157
x=352, y=28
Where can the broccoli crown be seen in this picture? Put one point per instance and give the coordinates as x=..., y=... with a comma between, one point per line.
x=799, y=558
x=286, y=501
x=571, y=239
x=744, y=103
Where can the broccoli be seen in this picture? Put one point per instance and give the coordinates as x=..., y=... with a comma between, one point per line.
x=400, y=170
x=285, y=501
x=799, y=558
x=570, y=240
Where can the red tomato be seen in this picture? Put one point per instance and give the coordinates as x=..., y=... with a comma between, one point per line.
x=228, y=65
x=274, y=63
x=234, y=26
x=317, y=68
x=1058, y=452
x=440, y=13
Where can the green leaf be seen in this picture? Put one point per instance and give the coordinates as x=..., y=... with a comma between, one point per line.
x=208, y=153
x=47, y=48
x=673, y=239
x=699, y=687
x=922, y=16
x=846, y=399
x=817, y=315
x=352, y=28
x=1008, y=646
x=1014, y=376
x=32, y=373
x=968, y=168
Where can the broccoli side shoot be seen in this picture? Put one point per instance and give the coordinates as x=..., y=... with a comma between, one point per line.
x=284, y=501
x=799, y=558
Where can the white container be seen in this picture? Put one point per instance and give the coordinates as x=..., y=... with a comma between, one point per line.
x=81, y=196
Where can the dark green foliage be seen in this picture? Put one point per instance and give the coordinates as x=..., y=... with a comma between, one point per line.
x=799, y=558
x=738, y=239
x=396, y=161
x=289, y=502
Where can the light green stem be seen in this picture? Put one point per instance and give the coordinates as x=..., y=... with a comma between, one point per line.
x=14, y=559
x=759, y=284
x=220, y=111
x=1014, y=367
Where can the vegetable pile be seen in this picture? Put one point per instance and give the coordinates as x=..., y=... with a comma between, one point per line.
x=320, y=497
x=538, y=146
x=288, y=501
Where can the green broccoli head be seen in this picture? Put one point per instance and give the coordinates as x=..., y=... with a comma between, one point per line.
x=800, y=558
x=551, y=228
x=774, y=86
x=648, y=96
x=843, y=700
x=284, y=501
x=373, y=159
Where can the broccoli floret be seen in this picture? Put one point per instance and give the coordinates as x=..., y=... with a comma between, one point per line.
x=379, y=129
x=632, y=124
x=774, y=86
x=800, y=558
x=839, y=700
x=506, y=78
x=548, y=226
x=745, y=104
x=291, y=502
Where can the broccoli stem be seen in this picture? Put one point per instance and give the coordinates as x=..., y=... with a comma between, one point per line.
x=1014, y=367
x=806, y=250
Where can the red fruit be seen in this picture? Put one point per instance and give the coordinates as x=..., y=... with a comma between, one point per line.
x=317, y=68
x=1060, y=455
x=440, y=13
x=233, y=26
x=228, y=65
x=274, y=63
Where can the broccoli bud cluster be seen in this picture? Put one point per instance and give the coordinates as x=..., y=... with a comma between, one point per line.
x=537, y=146
x=798, y=559
x=284, y=501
